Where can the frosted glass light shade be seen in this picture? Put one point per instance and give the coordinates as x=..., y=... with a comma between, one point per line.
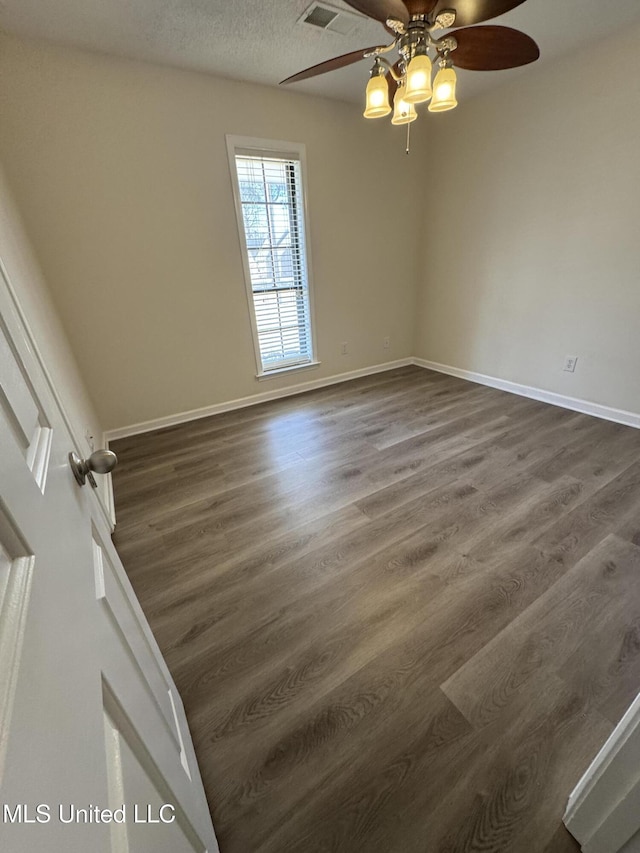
x=444, y=91
x=418, y=80
x=377, y=103
x=403, y=112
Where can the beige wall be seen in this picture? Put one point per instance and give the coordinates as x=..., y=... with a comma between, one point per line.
x=120, y=171
x=528, y=253
x=534, y=252
x=30, y=289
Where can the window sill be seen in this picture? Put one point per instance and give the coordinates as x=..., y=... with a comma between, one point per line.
x=271, y=374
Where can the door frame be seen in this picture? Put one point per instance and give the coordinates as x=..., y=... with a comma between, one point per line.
x=603, y=812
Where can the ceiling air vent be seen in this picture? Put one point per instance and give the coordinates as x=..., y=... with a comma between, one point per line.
x=329, y=18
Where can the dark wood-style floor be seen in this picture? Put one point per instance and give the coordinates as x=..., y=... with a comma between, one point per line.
x=403, y=612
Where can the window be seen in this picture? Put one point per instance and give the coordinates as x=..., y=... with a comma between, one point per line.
x=268, y=185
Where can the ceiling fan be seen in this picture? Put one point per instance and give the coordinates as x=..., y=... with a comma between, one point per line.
x=415, y=26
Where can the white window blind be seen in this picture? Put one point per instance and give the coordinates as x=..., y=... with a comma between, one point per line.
x=270, y=196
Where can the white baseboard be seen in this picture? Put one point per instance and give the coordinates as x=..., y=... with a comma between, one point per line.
x=586, y=407
x=619, y=416
x=253, y=400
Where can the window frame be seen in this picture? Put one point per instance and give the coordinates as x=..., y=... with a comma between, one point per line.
x=238, y=145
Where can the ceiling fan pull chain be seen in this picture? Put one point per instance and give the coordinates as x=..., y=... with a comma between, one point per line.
x=408, y=137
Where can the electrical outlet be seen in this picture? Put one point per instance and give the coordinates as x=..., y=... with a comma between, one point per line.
x=386, y=341
x=570, y=363
x=344, y=348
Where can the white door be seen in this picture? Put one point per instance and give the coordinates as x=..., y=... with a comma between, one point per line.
x=95, y=753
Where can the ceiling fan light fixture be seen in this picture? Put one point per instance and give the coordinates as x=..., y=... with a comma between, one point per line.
x=403, y=111
x=444, y=91
x=429, y=38
x=377, y=95
x=419, y=79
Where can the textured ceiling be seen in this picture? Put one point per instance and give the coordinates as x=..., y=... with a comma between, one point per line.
x=262, y=41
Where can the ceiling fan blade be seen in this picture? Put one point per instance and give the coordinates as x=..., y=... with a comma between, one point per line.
x=474, y=11
x=493, y=48
x=421, y=7
x=380, y=10
x=330, y=65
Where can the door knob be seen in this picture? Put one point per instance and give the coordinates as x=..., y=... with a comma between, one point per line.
x=100, y=462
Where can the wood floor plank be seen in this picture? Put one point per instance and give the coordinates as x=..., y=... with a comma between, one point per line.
x=450, y=515
x=515, y=777
x=402, y=611
x=358, y=811
x=237, y=566
x=601, y=591
x=562, y=842
x=452, y=592
x=578, y=531
x=347, y=564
